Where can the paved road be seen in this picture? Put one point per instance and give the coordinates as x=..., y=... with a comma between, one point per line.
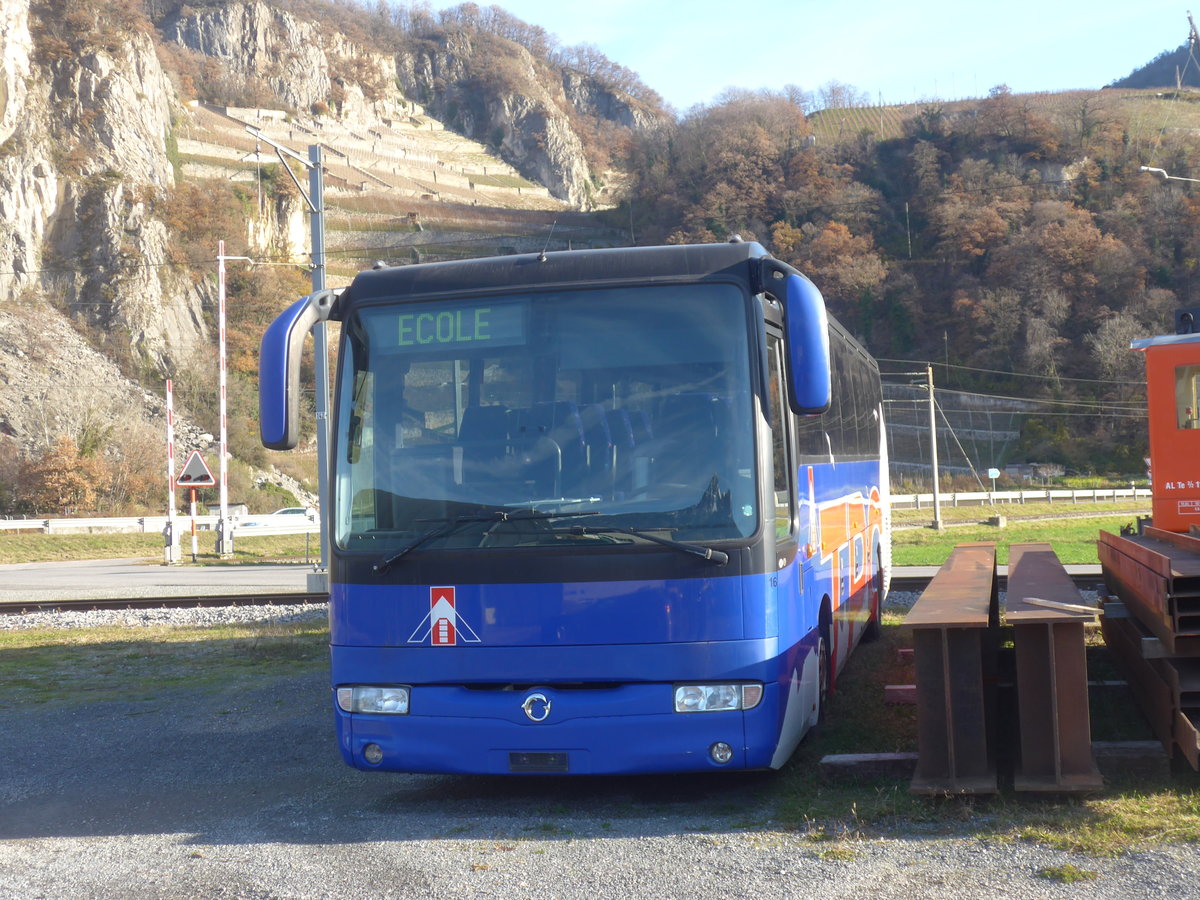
x=95, y=579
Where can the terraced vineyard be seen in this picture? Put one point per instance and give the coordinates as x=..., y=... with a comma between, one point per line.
x=848, y=123
x=1143, y=114
x=403, y=191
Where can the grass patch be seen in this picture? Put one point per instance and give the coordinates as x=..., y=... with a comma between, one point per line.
x=26, y=547
x=839, y=853
x=69, y=667
x=1119, y=820
x=1074, y=540
x=1068, y=874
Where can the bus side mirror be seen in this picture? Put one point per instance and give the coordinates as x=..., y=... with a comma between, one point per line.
x=279, y=369
x=808, y=346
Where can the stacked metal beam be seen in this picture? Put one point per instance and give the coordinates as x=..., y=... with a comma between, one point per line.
x=1153, y=630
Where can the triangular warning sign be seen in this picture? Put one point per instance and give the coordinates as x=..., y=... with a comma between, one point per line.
x=196, y=472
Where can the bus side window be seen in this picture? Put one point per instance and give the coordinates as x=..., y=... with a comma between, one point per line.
x=839, y=422
x=780, y=452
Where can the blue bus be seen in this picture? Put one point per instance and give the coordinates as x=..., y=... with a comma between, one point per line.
x=593, y=512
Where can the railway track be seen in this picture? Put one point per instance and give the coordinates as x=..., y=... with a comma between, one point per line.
x=174, y=602
x=917, y=583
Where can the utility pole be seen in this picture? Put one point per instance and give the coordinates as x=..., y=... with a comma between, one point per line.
x=937, y=493
x=318, y=581
x=224, y=529
x=316, y=189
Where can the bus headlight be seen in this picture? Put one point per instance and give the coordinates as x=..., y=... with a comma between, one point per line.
x=716, y=697
x=390, y=700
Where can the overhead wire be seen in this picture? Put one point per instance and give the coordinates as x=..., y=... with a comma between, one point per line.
x=1053, y=378
x=1116, y=406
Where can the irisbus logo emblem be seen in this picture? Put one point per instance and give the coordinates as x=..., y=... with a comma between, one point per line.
x=442, y=626
x=537, y=707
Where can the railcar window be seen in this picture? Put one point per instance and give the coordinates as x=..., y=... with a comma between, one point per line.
x=1187, y=394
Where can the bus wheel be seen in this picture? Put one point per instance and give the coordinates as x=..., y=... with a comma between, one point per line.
x=822, y=676
x=874, y=629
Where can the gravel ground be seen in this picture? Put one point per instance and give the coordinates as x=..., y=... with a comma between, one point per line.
x=198, y=616
x=235, y=789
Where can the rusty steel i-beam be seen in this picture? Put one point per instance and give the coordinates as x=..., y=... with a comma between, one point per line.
x=1047, y=616
x=955, y=623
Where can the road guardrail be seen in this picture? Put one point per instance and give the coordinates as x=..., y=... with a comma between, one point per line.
x=243, y=526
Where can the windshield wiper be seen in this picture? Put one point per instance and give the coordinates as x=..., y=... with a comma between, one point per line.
x=716, y=557
x=448, y=528
x=444, y=530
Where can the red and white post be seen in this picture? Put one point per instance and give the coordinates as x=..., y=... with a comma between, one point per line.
x=195, y=548
x=171, y=552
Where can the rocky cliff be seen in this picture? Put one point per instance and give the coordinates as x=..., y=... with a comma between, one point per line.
x=486, y=87
x=501, y=96
x=83, y=136
x=97, y=298
x=306, y=66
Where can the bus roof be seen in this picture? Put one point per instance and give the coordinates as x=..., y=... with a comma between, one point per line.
x=690, y=261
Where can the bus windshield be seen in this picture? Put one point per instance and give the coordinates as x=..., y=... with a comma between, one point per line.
x=630, y=406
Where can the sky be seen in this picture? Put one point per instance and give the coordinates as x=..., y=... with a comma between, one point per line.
x=895, y=52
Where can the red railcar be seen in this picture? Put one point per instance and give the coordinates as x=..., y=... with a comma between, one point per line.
x=1173, y=393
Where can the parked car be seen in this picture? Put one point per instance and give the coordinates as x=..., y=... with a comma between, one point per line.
x=296, y=511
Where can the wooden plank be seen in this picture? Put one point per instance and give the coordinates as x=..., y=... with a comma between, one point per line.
x=868, y=765
x=900, y=694
x=1187, y=738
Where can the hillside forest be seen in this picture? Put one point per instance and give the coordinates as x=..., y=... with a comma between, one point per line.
x=1011, y=240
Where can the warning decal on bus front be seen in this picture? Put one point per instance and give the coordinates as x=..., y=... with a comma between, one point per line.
x=442, y=627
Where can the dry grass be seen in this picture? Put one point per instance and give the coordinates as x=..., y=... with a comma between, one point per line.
x=72, y=666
